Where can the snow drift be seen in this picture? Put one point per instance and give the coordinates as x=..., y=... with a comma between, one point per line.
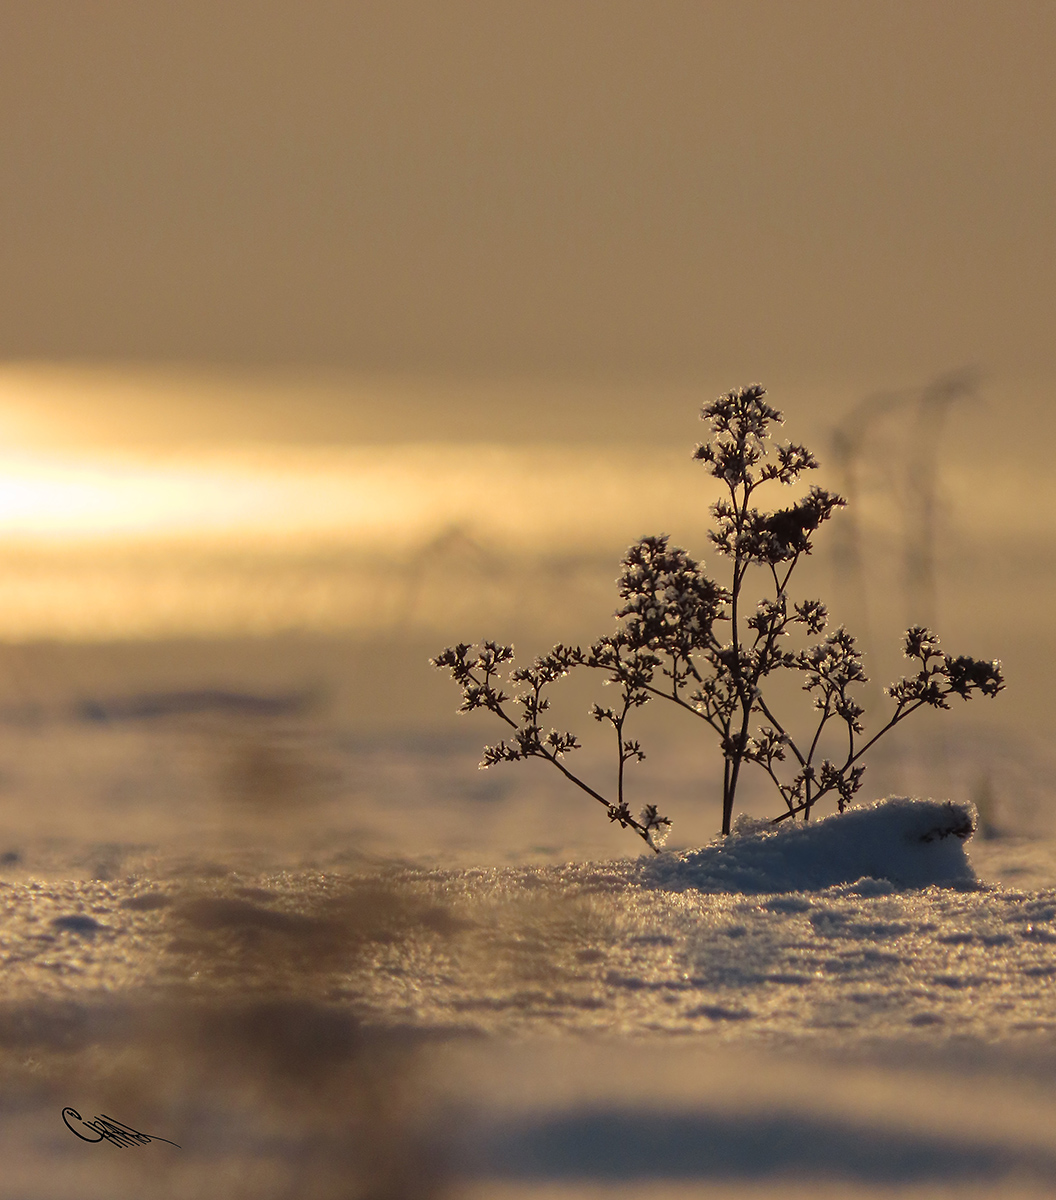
x=898, y=842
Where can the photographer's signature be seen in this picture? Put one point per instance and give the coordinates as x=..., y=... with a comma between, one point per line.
x=109, y=1130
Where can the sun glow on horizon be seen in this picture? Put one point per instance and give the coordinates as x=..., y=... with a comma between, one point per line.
x=256, y=540
x=368, y=496
x=122, y=516
x=61, y=499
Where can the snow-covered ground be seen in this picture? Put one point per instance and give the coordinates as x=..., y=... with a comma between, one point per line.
x=329, y=958
x=856, y=1009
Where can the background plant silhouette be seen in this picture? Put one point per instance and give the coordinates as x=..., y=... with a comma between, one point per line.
x=708, y=649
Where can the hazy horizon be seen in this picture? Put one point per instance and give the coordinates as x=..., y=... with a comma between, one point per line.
x=143, y=505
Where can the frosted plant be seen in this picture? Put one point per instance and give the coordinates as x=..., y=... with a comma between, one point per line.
x=709, y=650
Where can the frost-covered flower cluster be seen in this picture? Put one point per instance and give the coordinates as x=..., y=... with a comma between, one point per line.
x=684, y=638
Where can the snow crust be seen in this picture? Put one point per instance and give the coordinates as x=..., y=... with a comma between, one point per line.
x=521, y=1027
x=894, y=843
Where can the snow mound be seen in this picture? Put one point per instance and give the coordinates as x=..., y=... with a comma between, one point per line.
x=905, y=842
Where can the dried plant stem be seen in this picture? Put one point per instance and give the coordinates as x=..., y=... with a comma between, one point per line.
x=667, y=644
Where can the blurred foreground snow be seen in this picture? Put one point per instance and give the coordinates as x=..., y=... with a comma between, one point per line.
x=608, y=1029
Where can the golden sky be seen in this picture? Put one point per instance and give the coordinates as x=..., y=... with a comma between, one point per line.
x=251, y=249
x=775, y=189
